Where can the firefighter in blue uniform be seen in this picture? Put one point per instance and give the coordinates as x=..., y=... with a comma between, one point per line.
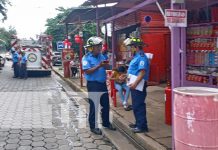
x=94, y=65
x=139, y=66
x=23, y=66
x=15, y=59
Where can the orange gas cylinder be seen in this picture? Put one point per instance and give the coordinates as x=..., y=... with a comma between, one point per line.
x=168, y=105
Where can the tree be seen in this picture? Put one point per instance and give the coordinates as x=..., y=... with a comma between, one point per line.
x=5, y=35
x=89, y=29
x=56, y=29
x=3, y=9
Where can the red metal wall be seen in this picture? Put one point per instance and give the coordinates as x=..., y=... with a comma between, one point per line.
x=158, y=38
x=158, y=45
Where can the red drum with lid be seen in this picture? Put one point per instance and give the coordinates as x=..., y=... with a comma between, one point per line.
x=195, y=118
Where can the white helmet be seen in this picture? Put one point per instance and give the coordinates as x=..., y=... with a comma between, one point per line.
x=134, y=41
x=23, y=51
x=13, y=49
x=94, y=40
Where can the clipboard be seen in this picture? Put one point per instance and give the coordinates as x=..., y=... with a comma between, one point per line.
x=132, y=78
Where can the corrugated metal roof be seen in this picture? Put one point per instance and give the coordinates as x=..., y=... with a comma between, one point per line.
x=89, y=14
x=98, y=2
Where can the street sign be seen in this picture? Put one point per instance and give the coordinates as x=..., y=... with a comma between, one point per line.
x=60, y=45
x=175, y=18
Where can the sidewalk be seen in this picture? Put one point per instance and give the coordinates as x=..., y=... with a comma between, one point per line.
x=159, y=136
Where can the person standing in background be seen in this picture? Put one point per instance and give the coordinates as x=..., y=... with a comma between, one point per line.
x=73, y=67
x=23, y=66
x=15, y=59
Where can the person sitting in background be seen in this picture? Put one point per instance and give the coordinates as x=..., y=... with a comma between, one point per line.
x=119, y=76
x=73, y=67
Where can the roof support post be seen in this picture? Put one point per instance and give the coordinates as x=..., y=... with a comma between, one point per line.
x=97, y=21
x=178, y=44
x=113, y=46
x=66, y=30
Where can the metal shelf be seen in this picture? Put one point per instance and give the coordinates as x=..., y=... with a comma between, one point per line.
x=191, y=83
x=198, y=74
x=202, y=66
x=201, y=37
x=203, y=24
x=202, y=50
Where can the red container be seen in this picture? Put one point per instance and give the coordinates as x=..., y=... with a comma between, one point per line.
x=195, y=118
x=214, y=12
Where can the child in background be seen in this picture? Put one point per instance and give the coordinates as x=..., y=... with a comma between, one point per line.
x=119, y=77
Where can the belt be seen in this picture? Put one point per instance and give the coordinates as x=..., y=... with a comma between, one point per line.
x=96, y=82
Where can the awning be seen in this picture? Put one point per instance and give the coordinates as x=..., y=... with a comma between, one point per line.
x=84, y=15
x=98, y=2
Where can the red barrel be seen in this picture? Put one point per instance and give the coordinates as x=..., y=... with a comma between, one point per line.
x=195, y=118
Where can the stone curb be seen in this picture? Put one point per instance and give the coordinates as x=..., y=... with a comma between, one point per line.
x=141, y=141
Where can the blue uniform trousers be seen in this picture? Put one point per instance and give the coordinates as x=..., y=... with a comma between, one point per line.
x=16, y=69
x=95, y=88
x=139, y=107
x=23, y=70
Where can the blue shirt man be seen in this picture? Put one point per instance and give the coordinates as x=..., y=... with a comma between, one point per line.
x=89, y=61
x=23, y=59
x=105, y=55
x=23, y=67
x=93, y=64
x=139, y=62
x=139, y=66
x=15, y=56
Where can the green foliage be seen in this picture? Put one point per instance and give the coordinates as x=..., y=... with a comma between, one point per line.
x=54, y=28
x=89, y=29
x=5, y=35
x=58, y=31
x=3, y=9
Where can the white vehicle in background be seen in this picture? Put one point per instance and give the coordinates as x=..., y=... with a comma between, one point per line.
x=2, y=58
x=8, y=56
x=2, y=62
x=2, y=53
x=56, y=58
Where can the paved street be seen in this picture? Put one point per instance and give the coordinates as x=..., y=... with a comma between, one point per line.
x=38, y=114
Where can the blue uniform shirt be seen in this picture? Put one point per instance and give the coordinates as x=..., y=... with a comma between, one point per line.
x=139, y=62
x=15, y=57
x=105, y=56
x=23, y=59
x=89, y=61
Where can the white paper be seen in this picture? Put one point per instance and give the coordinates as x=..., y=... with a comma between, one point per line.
x=132, y=79
x=149, y=55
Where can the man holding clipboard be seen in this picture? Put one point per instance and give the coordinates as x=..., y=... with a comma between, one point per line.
x=138, y=73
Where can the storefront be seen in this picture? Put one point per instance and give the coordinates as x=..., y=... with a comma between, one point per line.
x=201, y=65
x=149, y=26
x=194, y=64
